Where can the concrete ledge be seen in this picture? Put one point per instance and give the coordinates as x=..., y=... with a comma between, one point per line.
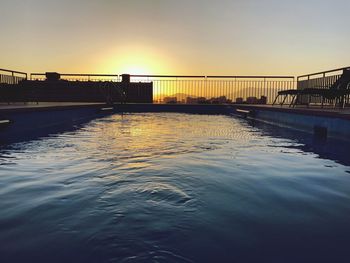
x=45, y=106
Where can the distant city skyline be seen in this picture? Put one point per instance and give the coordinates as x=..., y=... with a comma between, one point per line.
x=243, y=37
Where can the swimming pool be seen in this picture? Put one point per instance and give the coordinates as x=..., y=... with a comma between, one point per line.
x=167, y=187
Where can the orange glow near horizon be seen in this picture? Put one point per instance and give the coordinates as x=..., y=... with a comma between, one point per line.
x=136, y=60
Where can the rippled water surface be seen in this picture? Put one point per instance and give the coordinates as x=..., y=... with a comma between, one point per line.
x=174, y=188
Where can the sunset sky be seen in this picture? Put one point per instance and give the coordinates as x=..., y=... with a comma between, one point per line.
x=235, y=37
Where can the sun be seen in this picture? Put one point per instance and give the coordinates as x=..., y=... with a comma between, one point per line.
x=136, y=60
x=135, y=70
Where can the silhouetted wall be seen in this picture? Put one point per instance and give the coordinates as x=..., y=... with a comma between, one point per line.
x=77, y=91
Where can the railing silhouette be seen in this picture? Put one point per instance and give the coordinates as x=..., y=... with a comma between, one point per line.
x=215, y=89
x=199, y=89
x=11, y=76
x=79, y=77
x=319, y=80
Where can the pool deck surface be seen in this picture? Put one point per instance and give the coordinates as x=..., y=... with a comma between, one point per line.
x=23, y=107
x=20, y=105
x=312, y=110
x=299, y=108
x=302, y=110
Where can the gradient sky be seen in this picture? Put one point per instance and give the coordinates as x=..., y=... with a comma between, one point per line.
x=236, y=37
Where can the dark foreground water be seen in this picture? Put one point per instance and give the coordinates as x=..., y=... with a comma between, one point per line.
x=175, y=188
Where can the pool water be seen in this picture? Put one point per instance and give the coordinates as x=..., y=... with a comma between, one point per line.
x=172, y=187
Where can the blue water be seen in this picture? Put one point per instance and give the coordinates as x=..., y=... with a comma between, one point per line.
x=175, y=188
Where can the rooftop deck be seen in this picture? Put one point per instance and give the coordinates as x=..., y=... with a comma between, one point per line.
x=305, y=110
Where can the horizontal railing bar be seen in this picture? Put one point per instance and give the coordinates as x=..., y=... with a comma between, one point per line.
x=77, y=75
x=13, y=71
x=169, y=76
x=166, y=76
x=37, y=74
x=322, y=72
x=90, y=75
x=179, y=76
x=213, y=76
x=253, y=77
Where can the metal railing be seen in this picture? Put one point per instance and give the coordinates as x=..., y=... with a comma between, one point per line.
x=11, y=76
x=201, y=89
x=319, y=80
x=79, y=77
x=322, y=79
x=215, y=89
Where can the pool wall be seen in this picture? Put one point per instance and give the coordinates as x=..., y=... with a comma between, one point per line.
x=333, y=124
x=180, y=108
x=29, y=123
